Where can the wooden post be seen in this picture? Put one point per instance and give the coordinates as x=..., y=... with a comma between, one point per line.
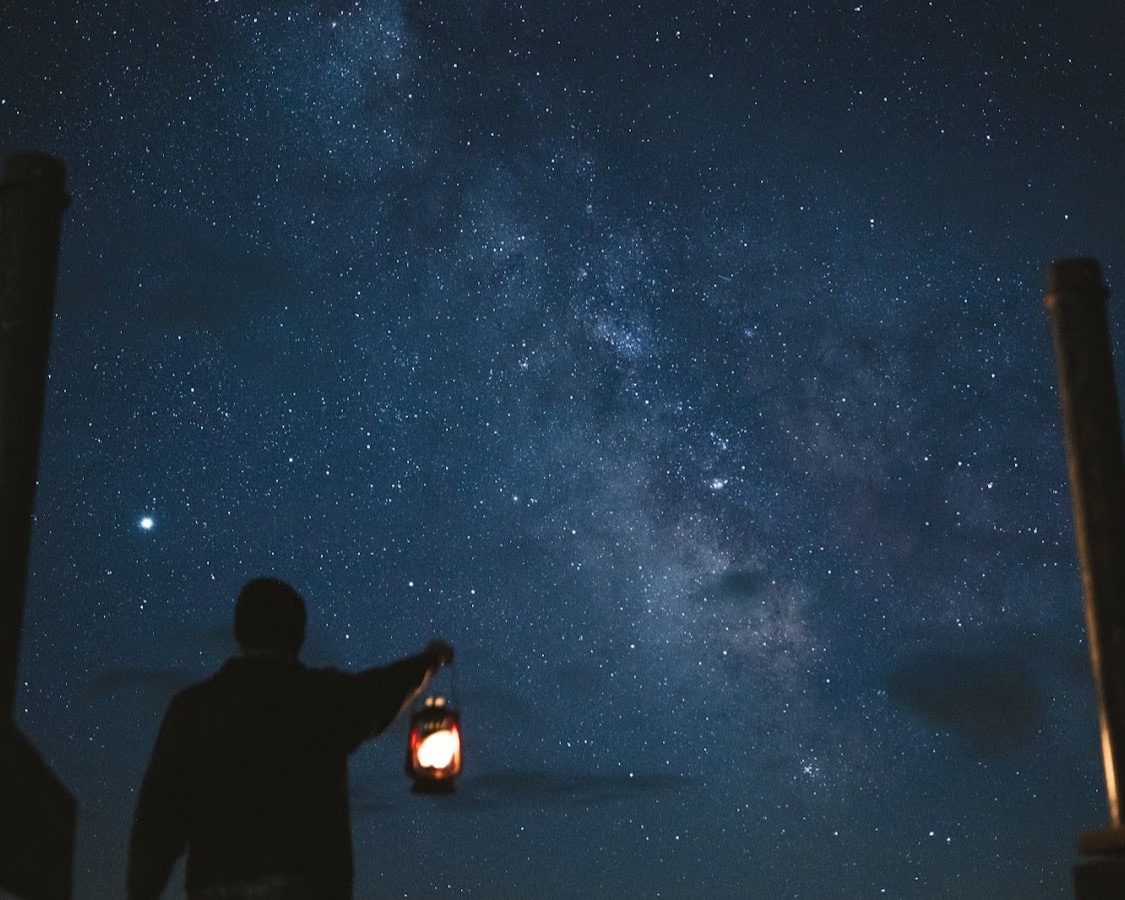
x=1076, y=299
x=37, y=814
x=32, y=200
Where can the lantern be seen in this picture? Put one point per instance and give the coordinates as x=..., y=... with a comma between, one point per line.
x=433, y=753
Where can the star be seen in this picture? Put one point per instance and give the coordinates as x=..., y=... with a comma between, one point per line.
x=692, y=347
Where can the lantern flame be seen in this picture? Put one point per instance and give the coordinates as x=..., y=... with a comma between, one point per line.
x=438, y=750
x=433, y=753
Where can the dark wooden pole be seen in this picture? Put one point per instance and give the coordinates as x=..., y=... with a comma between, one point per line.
x=37, y=814
x=1076, y=299
x=32, y=200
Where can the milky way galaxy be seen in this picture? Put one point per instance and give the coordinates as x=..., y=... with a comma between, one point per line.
x=683, y=364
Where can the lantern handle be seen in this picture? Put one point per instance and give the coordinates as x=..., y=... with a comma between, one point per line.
x=430, y=691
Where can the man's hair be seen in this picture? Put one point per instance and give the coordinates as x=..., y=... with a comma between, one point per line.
x=269, y=615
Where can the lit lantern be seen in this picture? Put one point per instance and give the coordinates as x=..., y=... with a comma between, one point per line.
x=433, y=754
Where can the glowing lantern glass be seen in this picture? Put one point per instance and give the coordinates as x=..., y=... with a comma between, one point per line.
x=433, y=753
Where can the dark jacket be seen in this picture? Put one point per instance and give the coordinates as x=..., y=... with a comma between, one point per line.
x=249, y=774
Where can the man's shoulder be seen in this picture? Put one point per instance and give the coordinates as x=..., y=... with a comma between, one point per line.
x=238, y=675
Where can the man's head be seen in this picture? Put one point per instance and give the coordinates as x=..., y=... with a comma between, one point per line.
x=269, y=617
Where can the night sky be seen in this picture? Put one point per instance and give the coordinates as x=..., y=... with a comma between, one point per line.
x=684, y=364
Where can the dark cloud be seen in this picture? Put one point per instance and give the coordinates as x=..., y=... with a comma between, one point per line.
x=165, y=681
x=582, y=787
x=740, y=585
x=150, y=688
x=217, y=285
x=495, y=703
x=526, y=788
x=165, y=272
x=991, y=701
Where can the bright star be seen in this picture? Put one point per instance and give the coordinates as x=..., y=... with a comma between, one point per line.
x=147, y=523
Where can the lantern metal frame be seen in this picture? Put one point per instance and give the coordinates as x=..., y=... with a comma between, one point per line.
x=436, y=714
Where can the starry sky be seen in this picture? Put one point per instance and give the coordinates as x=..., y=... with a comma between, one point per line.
x=683, y=363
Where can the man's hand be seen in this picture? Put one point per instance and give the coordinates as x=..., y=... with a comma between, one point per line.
x=441, y=652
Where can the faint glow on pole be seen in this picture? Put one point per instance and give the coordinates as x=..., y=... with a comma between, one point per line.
x=1076, y=298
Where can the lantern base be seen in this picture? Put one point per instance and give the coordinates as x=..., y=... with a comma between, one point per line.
x=421, y=786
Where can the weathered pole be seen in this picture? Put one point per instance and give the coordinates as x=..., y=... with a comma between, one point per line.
x=37, y=814
x=32, y=200
x=1076, y=299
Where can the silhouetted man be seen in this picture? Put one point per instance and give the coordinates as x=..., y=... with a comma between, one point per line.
x=249, y=771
